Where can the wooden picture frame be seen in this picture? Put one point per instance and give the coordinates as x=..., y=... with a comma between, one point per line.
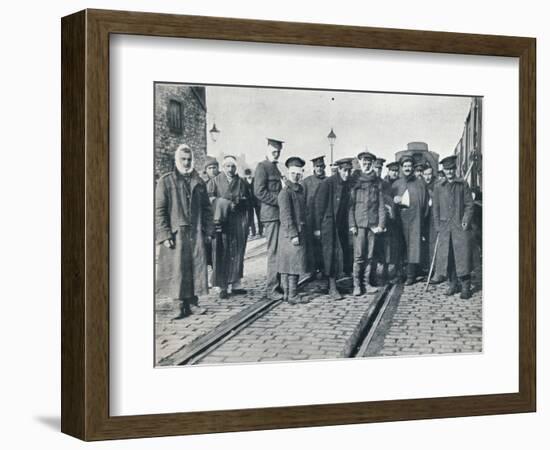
x=85, y=224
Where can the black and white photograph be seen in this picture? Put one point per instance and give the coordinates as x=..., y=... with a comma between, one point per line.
x=301, y=224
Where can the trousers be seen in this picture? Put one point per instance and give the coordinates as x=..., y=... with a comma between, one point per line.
x=271, y=230
x=363, y=246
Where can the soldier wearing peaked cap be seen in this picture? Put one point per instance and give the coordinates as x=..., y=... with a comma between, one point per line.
x=411, y=198
x=293, y=252
x=419, y=170
x=378, y=166
x=311, y=188
x=367, y=219
x=331, y=224
x=267, y=185
x=453, y=209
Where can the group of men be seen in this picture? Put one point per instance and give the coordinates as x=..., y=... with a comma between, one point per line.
x=353, y=222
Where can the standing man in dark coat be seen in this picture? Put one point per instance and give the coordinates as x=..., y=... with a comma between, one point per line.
x=391, y=239
x=254, y=208
x=311, y=188
x=183, y=222
x=211, y=169
x=453, y=208
x=267, y=185
x=367, y=219
x=411, y=197
x=229, y=196
x=430, y=235
x=293, y=254
x=331, y=223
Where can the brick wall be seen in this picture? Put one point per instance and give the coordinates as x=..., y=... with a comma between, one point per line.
x=193, y=125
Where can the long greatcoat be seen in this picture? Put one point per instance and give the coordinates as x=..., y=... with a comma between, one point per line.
x=293, y=259
x=430, y=234
x=229, y=246
x=452, y=206
x=412, y=217
x=331, y=218
x=180, y=211
x=311, y=186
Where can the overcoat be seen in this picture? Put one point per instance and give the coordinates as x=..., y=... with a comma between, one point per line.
x=331, y=218
x=293, y=259
x=453, y=205
x=430, y=234
x=311, y=188
x=182, y=209
x=267, y=185
x=412, y=217
x=388, y=248
x=229, y=246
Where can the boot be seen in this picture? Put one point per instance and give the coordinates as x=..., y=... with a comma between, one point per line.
x=284, y=285
x=411, y=274
x=357, y=279
x=393, y=274
x=333, y=290
x=292, y=288
x=369, y=288
x=453, y=286
x=465, y=288
x=436, y=279
x=182, y=309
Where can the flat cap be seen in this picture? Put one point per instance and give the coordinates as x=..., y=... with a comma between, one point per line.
x=318, y=161
x=394, y=165
x=210, y=161
x=379, y=162
x=345, y=163
x=406, y=158
x=295, y=161
x=365, y=154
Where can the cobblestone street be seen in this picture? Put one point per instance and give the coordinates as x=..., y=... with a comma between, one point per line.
x=425, y=323
x=413, y=323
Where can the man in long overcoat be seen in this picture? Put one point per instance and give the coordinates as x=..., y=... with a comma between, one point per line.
x=411, y=197
x=230, y=198
x=453, y=208
x=391, y=239
x=311, y=189
x=254, y=207
x=267, y=185
x=183, y=222
x=430, y=235
x=331, y=224
x=294, y=244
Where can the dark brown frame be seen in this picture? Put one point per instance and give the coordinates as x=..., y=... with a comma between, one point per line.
x=85, y=224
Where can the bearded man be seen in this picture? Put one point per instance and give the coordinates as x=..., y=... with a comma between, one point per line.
x=183, y=222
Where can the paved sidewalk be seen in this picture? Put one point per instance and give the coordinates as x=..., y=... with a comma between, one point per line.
x=433, y=323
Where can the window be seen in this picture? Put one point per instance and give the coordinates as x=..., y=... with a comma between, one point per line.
x=175, y=116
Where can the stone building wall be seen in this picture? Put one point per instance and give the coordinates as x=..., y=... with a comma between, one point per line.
x=190, y=129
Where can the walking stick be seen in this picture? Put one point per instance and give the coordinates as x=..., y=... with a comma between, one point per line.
x=432, y=264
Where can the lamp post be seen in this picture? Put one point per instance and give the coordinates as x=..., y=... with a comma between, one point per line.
x=331, y=139
x=214, y=133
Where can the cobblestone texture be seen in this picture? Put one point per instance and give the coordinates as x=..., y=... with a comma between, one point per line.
x=434, y=323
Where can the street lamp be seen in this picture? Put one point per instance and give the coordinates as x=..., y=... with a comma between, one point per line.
x=214, y=132
x=331, y=139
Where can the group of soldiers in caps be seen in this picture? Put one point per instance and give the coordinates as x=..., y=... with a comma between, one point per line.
x=352, y=222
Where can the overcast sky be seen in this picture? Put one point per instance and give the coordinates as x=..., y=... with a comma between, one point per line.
x=384, y=123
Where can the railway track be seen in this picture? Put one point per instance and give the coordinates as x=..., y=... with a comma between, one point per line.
x=367, y=328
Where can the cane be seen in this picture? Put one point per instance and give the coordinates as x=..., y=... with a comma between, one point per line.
x=432, y=265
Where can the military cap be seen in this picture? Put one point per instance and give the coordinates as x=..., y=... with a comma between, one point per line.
x=210, y=161
x=419, y=165
x=318, y=161
x=365, y=154
x=394, y=165
x=427, y=165
x=379, y=163
x=295, y=161
x=406, y=158
x=345, y=163
x=449, y=162
x=275, y=143
x=247, y=172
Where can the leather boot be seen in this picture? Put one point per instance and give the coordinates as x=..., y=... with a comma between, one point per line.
x=369, y=288
x=292, y=288
x=465, y=288
x=284, y=285
x=411, y=274
x=333, y=290
x=357, y=279
x=453, y=285
x=182, y=309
